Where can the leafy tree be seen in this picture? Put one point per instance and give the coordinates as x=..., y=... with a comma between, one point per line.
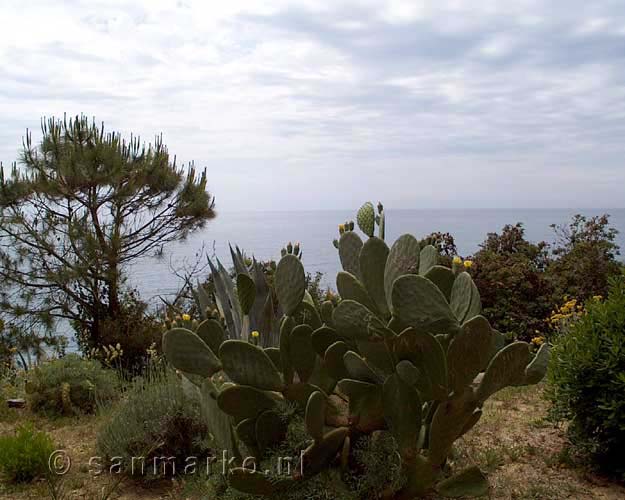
x=83, y=206
x=509, y=273
x=444, y=243
x=584, y=258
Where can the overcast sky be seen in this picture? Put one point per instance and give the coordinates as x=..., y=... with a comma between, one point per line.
x=302, y=105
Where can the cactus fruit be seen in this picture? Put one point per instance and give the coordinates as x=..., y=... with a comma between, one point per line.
x=405, y=352
x=292, y=249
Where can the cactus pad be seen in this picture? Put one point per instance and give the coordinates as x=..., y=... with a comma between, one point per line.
x=188, y=352
x=402, y=410
x=243, y=401
x=351, y=319
x=443, y=278
x=349, y=287
x=247, y=364
x=373, y=258
x=350, y=245
x=418, y=302
x=212, y=333
x=469, y=352
x=290, y=282
x=427, y=259
x=403, y=258
x=315, y=415
x=506, y=368
x=301, y=351
x=366, y=219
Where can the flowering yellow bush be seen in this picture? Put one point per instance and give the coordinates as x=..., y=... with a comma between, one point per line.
x=571, y=310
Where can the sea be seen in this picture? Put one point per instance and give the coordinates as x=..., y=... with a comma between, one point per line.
x=262, y=234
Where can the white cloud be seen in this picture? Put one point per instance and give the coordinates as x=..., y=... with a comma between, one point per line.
x=296, y=104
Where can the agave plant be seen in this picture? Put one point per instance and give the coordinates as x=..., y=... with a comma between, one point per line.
x=405, y=352
x=244, y=304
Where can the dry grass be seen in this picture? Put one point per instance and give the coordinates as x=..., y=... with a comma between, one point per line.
x=526, y=457
x=523, y=456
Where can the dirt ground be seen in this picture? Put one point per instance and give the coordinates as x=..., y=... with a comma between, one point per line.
x=523, y=455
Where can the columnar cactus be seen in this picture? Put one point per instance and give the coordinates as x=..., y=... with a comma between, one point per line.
x=406, y=349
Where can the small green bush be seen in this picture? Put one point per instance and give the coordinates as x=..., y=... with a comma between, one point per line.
x=70, y=385
x=587, y=380
x=159, y=418
x=24, y=456
x=132, y=332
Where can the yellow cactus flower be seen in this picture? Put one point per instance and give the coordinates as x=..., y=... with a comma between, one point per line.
x=538, y=341
x=341, y=228
x=186, y=317
x=468, y=264
x=598, y=298
x=255, y=334
x=457, y=260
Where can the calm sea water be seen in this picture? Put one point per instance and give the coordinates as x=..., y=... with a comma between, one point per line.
x=263, y=234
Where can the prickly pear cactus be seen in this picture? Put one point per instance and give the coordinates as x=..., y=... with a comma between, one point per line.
x=405, y=353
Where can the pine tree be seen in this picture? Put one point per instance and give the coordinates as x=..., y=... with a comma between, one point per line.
x=83, y=206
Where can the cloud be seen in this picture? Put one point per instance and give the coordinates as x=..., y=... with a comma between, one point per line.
x=324, y=104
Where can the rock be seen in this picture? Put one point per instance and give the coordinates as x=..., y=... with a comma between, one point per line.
x=16, y=403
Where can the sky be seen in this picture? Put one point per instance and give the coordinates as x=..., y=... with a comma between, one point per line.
x=325, y=104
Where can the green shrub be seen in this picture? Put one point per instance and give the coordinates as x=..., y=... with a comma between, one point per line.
x=24, y=455
x=584, y=258
x=69, y=386
x=444, y=243
x=587, y=379
x=157, y=419
x=133, y=329
x=509, y=273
